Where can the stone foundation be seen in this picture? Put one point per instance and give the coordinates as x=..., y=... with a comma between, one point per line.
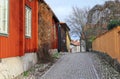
x=14, y=66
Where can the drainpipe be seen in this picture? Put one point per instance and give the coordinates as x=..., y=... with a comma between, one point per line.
x=59, y=38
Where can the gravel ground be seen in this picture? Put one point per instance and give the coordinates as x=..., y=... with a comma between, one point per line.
x=73, y=66
x=39, y=69
x=104, y=70
x=36, y=71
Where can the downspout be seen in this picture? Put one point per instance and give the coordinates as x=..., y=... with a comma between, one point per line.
x=59, y=37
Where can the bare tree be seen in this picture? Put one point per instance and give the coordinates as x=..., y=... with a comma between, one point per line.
x=77, y=20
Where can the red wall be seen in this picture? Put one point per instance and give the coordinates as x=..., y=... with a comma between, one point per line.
x=15, y=44
x=55, y=38
x=32, y=43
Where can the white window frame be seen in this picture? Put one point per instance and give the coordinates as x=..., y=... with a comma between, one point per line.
x=28, y=21
x=4, y=14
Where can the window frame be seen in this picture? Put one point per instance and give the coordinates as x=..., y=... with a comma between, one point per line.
x=6, y=32
x=29, y=35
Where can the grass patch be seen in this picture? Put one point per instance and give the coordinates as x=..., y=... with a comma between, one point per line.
x=56, y=55
x=26, y=73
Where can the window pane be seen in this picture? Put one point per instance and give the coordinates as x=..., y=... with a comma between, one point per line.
x=4, y=16
x=1, y=15
x=28, y=21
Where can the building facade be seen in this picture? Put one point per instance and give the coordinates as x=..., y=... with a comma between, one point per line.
x=18, y=36
x=48, y=27
x=63, y=34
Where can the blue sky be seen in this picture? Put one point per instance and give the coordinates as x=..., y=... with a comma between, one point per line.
x=62, y=8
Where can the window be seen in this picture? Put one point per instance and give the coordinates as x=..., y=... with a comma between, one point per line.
x=4, y=17
x=28, y=16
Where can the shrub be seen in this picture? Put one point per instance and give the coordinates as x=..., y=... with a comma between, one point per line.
x=26, y=73
x=44, y=54
x=56, y=55
x=92, y=38
x=113, y=23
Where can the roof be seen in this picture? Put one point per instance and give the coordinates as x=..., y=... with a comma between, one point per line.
x=75, y=43
x=54, y=16
x=65, y=25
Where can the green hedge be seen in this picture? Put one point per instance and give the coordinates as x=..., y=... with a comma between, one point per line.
x=113, y=23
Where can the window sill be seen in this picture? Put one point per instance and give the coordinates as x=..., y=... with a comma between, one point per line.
x=28, y=37
x=4, y=34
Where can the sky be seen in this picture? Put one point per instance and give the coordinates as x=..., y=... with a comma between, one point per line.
x=63, y=8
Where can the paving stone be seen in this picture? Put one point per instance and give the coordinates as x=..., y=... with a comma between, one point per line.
x=72, y=66
x=76, y=66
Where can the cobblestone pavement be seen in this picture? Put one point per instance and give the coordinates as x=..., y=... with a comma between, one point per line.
x=72, y=66
x=75, y=66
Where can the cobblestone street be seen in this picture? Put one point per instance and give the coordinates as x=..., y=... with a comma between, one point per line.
x=73, y=66
x=81, y=66
x=77, y=66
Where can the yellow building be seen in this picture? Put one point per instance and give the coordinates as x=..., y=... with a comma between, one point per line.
x=68, y=40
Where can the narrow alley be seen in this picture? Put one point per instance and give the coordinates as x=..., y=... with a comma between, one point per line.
x=59, y=39
x=80, y=66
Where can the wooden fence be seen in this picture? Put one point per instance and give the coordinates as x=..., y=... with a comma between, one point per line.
x=109, y=43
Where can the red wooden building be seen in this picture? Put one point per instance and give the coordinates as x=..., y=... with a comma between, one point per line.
x=47, y=16
x=55, y=32
x=19, y=34
x=18, y=27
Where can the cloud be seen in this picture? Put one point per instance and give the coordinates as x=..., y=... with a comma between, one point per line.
x=62, y=8
x=62, y=12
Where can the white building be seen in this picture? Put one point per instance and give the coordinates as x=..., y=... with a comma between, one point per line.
x=75, y=46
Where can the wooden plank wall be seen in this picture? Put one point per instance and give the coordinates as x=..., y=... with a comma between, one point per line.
x=15, y=43
x=31, y=44
x=9, y=45
x=109, y=43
